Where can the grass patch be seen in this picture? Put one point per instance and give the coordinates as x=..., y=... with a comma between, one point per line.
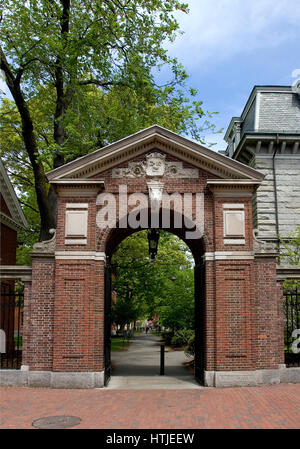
x=119, y=343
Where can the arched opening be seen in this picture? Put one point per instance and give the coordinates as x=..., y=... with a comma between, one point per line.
x=196, y=249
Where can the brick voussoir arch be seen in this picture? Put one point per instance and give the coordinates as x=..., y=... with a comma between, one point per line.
x=108, y=239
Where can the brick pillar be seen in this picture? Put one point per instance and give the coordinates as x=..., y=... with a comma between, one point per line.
x=78, y=344
x=234, y=297
x=38, y=311
x=209, y=319
x=268, y=322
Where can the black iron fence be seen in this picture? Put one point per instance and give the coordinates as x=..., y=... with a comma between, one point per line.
x=11, y=324
x=292, y=326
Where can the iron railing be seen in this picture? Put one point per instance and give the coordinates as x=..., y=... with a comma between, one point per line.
x=292, y=322
x=11, y=324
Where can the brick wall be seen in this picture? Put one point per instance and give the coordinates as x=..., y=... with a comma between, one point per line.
x=266, y=349
x=39, y=316
x=78, y=316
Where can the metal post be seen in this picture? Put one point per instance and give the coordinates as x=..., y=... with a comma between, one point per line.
x=162, y=360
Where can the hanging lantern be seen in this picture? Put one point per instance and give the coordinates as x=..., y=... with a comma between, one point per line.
x=153, y=237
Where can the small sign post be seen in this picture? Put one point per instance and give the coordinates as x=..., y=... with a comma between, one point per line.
x=162, y=360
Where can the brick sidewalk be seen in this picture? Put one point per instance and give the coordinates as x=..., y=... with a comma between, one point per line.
x=266, y=407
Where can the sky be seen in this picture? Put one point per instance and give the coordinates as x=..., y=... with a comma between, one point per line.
x=229, y=46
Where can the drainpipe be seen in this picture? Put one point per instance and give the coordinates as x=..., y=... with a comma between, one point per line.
x=275, y=191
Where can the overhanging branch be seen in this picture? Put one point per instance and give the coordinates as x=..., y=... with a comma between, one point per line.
x=97, y=83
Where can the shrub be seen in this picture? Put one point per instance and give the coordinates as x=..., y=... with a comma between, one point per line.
x=189, y=350
x=182, y=337
x=167, y=336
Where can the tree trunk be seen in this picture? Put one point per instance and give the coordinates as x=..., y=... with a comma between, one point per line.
x=48, y=220
x=63, y=100
x=46, y=197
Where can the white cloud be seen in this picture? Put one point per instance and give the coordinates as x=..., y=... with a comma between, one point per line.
x=218, y=30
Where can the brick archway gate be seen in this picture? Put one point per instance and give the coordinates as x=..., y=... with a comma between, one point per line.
x=63, y=344
x=197, y=248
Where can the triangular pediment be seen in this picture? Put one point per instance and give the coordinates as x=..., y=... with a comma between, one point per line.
x=154, y=138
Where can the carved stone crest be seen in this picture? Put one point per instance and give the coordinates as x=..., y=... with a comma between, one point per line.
x=155, y=166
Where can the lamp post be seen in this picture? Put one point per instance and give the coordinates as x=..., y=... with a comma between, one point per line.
x=153, y=237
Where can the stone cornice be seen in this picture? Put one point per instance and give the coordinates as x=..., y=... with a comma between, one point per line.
x=255, y=139
x=80, y=255
x=79, y=182
x=9, y=222
x=232, y=188
x=287, y=272
x=78, y=187
x=22, y=272
x=232, y=182
x=228, y=255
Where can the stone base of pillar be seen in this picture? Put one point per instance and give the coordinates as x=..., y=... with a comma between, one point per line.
x=252, y=378
x=50, y=379
x=220, y=379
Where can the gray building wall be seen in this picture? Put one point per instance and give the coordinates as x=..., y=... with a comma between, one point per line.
x=279, y=111
x=287, y=170
x=275, y=113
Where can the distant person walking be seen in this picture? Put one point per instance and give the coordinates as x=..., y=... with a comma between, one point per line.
x=147, y=329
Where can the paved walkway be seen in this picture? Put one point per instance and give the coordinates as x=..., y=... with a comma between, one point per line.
x=139, y=366
x=276, y=406
x=138, y=398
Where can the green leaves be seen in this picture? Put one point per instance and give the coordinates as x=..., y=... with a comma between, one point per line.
x=164, y=286
x=99, y=36
x=115, y=45
x=83, y=75
x=290, y=252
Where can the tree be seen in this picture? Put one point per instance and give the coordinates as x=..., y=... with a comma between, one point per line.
x=177, y=302
x=73, y=56
x=124, y=311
